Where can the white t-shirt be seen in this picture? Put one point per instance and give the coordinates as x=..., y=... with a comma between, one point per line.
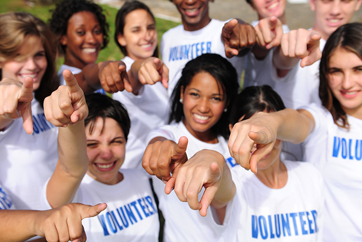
x=179, y=46
x=27, y=161
x=148, y=110
x=337, y=153
x=183, y=223
x=5, y=200
x=292, y=213
x=131, y=213
x=74, y=71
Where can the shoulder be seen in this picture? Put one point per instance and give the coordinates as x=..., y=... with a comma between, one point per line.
x=172, y=31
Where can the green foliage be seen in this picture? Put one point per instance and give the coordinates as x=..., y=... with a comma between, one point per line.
x=43, y=12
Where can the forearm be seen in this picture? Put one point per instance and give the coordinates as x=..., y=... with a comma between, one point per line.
x=88, y=79
x=292, y=125
x=5, y=122
x=72, y=149
x=17, y=225
x=259, y=52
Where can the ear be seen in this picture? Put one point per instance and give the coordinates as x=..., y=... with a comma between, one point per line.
x=63, y=40
x=312, y=4
x=121, y=40
x=358, y=5
x=182, y=92
x=230, y=127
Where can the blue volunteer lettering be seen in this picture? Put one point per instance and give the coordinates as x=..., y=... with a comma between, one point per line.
x=41, y=124
x=351, y=148
x=269, y=229
x=5, y=202
x=124, y=216
x=189, y=52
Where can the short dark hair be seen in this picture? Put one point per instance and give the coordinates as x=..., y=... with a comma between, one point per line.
x=223, y=72
x=100, y=105
x=255, y=99
x=128, y=7
x=65, y=9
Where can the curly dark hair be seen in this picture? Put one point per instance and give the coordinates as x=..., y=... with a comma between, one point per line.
x=223, y=72
x=65, y=9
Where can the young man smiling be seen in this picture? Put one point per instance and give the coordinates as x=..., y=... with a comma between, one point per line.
x=198, y=34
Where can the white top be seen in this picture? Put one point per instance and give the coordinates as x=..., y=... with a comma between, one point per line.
x=292, y=213
x=5, y=200
x=131, y=213
x=27, y=161
x=183, y=223
x=74, y=71
x=179, y=46
x=148, y=110
x=337, y=153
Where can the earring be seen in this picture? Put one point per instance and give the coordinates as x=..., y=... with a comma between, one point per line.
x=181, y=100
x=225, y=110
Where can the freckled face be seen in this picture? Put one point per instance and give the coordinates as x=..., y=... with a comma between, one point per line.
x=203, y=104
x=106, y=151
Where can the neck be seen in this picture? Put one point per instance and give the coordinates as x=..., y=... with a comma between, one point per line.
x=275, y=176
x=70, y=60
x=325, y=36
x=191, y=27
x=207, y=136
x=356, y=113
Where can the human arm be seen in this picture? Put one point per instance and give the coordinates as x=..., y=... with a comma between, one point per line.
x=238, y=37
x=148, y=71
x=297, y=45
x=269, y=33
x=60, y=224
x=15, y=102
x=263, y=129
x=67, y=108
x=207, y=168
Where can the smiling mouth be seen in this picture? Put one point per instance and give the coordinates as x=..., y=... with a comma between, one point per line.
x=192, y=12
x=201, y=118
x=89, y=50
x=106, y=166
x=272, y=6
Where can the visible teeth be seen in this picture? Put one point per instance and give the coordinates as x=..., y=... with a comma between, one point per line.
x=28, y=75
x=89, y=50
x=147, y=46
x=104, y=166
x=191, y=10
x=273, y=5
x=334, y=20
x=201, y=117
x=350, y=93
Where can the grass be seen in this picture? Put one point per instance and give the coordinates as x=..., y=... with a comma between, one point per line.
x=111, y=52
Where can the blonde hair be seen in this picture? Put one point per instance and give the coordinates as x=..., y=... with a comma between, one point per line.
x=15, y=27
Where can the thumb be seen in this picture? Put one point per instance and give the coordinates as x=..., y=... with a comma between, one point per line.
x=71, y=81
x=26, y=96
x=260, y=137
x=179, y=149
x=87, y=211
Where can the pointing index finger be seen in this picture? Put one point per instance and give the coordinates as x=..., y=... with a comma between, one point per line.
x=71, y=81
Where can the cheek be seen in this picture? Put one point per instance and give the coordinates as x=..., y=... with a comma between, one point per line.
x=218, y=110
x=92, y=154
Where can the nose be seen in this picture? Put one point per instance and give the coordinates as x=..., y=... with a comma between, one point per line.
x=106, y=153
x=203, y=105
x=336, y=7
x=30, y=64
x=90, y=38
x=347, y=82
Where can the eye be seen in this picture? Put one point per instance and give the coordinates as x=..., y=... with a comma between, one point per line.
x=92, y=145
x=194, y=94
x=40, y=54
x=334, y=70
x=117, y=141
x=98, y=31
x=218, y=99
x=80, y=32
x=151, y=27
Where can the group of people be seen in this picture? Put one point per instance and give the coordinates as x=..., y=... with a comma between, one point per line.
x=237, y=132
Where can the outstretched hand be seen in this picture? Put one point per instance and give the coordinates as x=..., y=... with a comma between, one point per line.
x=67, y=104
x=236, y=37
x=153, y=70
x=204, y=169
x=269, y=32
x=251, y=140
x=113, y=77
x=65, y=223
x=302, y=44
x=162, y=158
x=15, y=101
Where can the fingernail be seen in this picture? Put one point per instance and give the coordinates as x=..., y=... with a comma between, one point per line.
x=164, y=181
